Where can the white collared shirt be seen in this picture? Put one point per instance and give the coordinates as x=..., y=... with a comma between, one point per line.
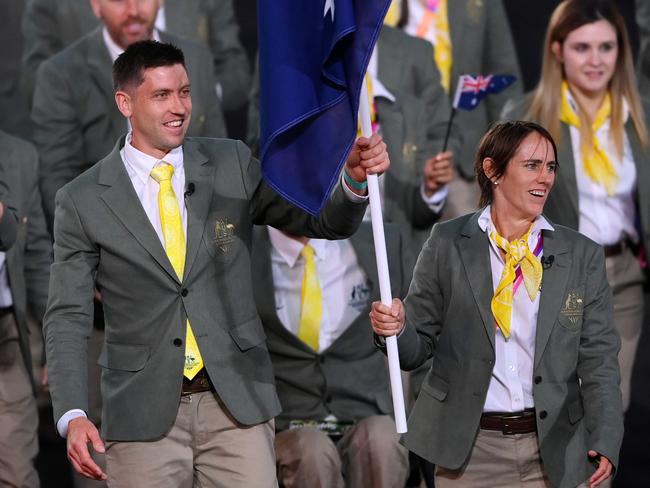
x=511, y=385
x=139, y=166
x=344, y=284
x=603, y=218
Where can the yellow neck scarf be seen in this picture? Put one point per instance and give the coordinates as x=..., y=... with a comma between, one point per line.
x=597, y=165
x=517, y=254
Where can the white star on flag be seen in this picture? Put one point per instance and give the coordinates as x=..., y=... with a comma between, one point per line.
x=329, y=5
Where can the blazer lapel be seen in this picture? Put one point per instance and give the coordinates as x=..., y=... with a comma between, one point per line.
x=567, y=175
x=473, y=245
x=199, y=173
x=456, y=22
x=100, y=64
x=122, y=201
x=554, y=282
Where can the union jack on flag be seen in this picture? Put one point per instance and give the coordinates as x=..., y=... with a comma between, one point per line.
x=471, y=90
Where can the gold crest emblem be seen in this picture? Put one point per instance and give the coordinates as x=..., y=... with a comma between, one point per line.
x=573, y=307
x=224, y=235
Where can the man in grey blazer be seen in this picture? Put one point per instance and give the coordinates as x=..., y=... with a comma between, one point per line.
x=50, y=26
x=24, y=276
x=541, y=401
x=109, y=228
x=76, y=122
x=342, y=385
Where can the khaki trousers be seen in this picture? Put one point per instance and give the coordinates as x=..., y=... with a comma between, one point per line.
x=18, y=414
x=501, y=461
x=204, y=448
x=368, y=456
x=626, y=279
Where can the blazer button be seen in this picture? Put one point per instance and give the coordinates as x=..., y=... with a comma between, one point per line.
x=543, y=414
x=328, y=399
x=538, y=380
x=178, y=342
x=184, y=292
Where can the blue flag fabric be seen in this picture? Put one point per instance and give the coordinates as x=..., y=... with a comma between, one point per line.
x=313, y=55
x=471, y=90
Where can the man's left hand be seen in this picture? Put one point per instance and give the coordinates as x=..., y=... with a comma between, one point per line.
x=603, y=472
x=368, y=156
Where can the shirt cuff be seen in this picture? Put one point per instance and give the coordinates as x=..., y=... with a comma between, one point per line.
x=353, y=197
x=219, y=90
x=62, y=424
x=437, y=200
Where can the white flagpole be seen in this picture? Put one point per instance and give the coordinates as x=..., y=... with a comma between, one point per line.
x=382, y=269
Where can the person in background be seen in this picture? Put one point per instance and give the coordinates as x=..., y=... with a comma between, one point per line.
x=588, y=99
x=50, y=26
x=25, y=257
x=516, y=313
x=469, y=37
x=313, y=297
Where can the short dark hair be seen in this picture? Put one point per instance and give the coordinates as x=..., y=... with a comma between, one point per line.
x=500, y=143
x=128, y=69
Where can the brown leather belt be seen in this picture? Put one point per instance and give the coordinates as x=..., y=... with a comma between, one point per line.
x=618, y=248
x=510, y=423
x=201, y=382
x=6, y=311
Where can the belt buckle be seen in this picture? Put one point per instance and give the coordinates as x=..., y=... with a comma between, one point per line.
x=507, y=428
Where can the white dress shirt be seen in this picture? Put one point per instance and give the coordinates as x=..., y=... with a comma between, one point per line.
x=344, y=284
x=511, y=388
x=603, y=218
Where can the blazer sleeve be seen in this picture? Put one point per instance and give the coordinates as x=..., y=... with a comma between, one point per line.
x=69, y=318
x=339, y=219
x=38, y=248
x=598, y=367
x=9, y=220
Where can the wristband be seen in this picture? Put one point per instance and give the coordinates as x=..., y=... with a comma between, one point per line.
x=357, y=185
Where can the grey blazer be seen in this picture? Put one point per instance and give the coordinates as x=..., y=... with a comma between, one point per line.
x=481, y=43
x=76, y=120
x=28, y=260
x=576, y=375
x=49, y=26
x=349, y=379
x=103, y=239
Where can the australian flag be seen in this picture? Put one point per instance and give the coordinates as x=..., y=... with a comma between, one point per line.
x=313, y=55
x=471, y=90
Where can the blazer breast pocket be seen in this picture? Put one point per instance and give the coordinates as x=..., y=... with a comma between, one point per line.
x=570, y=316
x=220, y=238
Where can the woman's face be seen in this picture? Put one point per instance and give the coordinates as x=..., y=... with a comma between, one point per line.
x=522, y=190
x=589, y=55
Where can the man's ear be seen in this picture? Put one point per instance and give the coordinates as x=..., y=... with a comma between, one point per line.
x=124, y=103
x=97, y=9
x=489, y=168
x=556, y=49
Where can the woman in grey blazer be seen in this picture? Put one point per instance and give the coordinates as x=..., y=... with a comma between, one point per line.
x=517, y=315
x=588, y=99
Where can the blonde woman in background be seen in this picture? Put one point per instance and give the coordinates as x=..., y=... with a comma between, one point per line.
x=588, y=99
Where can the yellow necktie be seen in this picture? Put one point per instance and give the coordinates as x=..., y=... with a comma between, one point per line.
x=517, y=253
x=435, y=15
x=311, y=309
x=172, y=227
x=393, y=14
x=597, y=165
